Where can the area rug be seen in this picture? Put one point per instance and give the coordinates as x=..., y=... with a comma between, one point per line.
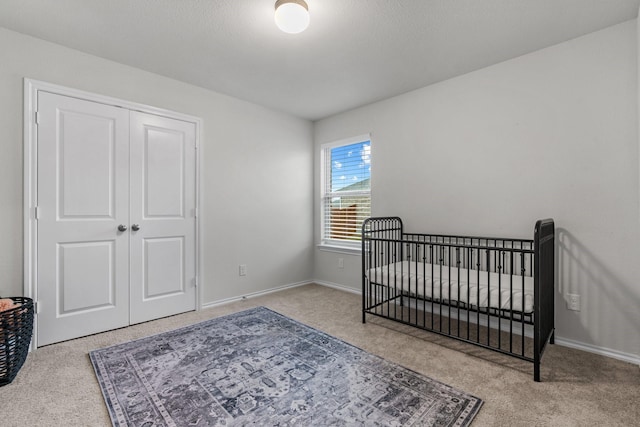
x=258, y=367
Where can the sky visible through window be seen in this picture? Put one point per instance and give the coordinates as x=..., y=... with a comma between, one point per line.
x=350, y=164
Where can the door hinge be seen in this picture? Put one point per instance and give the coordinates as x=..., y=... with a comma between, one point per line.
x=195, y=281
x=36, y=307
x=36, y=212
x=37, y=113
x=195, y=212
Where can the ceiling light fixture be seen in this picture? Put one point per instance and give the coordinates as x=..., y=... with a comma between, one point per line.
x=292, y=16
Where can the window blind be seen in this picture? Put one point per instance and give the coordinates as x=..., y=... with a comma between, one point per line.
x=346, y=195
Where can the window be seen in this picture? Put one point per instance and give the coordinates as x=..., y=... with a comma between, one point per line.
x=346, y=190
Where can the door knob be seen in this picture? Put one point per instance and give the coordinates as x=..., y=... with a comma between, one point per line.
x=122, y=227
x=135, y=227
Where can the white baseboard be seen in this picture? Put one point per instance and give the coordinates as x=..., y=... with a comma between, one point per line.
x=253, y=294
x=338, y=286
x=602, y=351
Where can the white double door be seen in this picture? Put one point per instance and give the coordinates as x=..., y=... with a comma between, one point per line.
x=116, y=217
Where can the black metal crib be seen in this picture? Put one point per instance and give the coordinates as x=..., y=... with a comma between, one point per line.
x=497, y=293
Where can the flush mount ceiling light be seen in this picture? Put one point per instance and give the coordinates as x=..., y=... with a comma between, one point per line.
x=292, y=16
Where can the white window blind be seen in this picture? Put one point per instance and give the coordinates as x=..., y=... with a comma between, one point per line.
x=346, y=190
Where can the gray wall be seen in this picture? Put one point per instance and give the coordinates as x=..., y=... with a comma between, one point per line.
x=553, y=133
x=255, y=164
x=549, y=134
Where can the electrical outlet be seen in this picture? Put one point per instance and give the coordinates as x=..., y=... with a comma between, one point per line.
x=573, y=302
x=340, y=262
x=242, y=269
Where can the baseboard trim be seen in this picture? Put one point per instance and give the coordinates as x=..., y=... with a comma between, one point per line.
x=337, y=286
x=602, y=351
x=254, y=294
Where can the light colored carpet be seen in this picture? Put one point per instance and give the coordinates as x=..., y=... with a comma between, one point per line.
x=57, y=385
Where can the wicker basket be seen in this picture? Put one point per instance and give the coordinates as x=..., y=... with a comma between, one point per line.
x=16, y=326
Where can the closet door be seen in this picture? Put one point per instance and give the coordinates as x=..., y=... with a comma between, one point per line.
x=163, y=222
x=83, y=197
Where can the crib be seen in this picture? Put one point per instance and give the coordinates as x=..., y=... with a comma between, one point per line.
x=497, y=293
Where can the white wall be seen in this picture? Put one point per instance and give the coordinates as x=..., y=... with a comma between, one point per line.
x=549, y=134
x=255, y=168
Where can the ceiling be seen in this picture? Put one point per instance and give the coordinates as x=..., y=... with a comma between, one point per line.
x=354, y=52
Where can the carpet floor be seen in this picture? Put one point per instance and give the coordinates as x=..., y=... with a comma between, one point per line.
x=57, y=385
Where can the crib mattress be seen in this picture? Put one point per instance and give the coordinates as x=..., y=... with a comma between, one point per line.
x=494, y=290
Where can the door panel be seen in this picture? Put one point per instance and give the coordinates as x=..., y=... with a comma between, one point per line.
x=81, y=266
x=86, y=156
x=164, y=163
x=163, y=195
x=83, y=195
x=163, y=267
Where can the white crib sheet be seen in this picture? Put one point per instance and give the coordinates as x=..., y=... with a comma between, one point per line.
x=410, y=277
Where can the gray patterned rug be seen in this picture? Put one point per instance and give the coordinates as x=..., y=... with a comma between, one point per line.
x=258, y=367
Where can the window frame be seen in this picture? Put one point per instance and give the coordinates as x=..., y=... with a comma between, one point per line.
x=326, y=243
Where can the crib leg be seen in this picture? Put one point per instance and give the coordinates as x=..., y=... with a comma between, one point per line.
x=553, y=337
x=536, y=371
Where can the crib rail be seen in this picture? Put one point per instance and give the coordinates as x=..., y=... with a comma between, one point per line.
x=492, y=292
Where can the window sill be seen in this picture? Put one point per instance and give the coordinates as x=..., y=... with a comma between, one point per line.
x=350, y=250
